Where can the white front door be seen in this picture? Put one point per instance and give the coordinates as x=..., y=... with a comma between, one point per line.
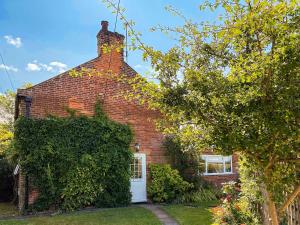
x=138, y=178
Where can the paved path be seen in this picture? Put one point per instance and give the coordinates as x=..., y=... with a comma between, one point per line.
x=160, y=214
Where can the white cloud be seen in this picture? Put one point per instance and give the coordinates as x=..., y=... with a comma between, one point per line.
x=8, y=68
x=60, y=66
x=46, y=67
x=17, y=42
x=55, y=66
x=33, y=67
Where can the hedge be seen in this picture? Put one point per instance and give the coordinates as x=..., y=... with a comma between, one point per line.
x=76, y=161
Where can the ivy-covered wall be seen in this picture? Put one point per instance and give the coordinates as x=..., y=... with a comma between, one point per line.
x=76, y=161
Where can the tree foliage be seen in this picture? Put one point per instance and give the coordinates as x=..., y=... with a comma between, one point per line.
x=232, y=85
x=7, y=109
x=7, y=101
x=188, y=163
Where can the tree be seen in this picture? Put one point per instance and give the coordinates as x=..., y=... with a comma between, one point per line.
x=233, y=86
x=6, y=134
x=7, y=109
x=7, y=101
x=8, y=156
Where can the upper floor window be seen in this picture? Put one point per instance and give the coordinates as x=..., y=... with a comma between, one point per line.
x=217, y=164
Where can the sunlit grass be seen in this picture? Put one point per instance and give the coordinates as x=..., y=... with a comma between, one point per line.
x=122, y=216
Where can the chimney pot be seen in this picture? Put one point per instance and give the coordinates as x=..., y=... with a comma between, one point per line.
x=104, y=25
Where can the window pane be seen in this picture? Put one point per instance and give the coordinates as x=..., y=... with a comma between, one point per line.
x=131, y=170
x=214, y=159
x=228, y=166
x=227, y=158
x=202, y=166
x=217, y=167
x=136, y=168
x=139, y=174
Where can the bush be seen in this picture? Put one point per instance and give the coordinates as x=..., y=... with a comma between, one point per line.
x=233, y=210
x=76, y=161
x=166, y=183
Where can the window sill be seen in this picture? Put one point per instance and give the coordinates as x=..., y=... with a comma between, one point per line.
x=217, y=174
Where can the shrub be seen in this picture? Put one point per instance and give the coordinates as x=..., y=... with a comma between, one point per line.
x=233, y=210
x=76, y=161
x=166, y=183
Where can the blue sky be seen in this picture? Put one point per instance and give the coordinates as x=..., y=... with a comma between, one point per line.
x=41, y=38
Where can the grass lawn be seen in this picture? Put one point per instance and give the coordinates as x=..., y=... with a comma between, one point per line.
x=7, y=209
x=191, y=215
x=124, y=216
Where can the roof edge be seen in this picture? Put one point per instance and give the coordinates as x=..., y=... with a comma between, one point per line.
x=61, y=74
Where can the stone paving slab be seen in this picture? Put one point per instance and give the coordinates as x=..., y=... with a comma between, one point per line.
x=160, y=214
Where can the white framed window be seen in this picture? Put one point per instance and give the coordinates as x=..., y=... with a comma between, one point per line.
x=217, y=164
x=136, y=168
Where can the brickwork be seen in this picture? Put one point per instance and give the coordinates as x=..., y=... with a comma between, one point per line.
x=21, y=190
x=53, y=96
x=33, y=195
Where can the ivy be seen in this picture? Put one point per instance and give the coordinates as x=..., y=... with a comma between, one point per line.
x=76, y=161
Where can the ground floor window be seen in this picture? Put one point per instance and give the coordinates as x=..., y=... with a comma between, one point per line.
x=217, y=164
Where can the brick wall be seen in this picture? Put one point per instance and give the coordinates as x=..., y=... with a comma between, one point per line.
x=55, y=95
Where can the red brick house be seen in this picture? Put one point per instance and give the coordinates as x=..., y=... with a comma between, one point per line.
x=81, y=93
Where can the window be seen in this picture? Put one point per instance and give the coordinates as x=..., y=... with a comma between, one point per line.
x=136, y=168
x=217, y=164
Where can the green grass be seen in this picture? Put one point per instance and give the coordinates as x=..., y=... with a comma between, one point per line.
x=122, y=216
x=7, y=209
x=191, y=215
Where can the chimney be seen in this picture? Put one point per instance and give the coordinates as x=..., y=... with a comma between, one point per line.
x=104, y=25
x=111, y=41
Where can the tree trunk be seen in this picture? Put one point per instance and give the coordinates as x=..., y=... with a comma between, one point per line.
x=270, y=215
x=273, y=212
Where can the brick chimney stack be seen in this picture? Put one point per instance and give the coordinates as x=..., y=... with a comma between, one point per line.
x=112, y=41
x=104, y=25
